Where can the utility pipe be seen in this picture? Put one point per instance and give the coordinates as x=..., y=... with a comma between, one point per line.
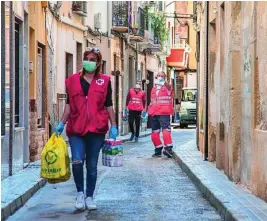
x=207, y=86
x=12, y=85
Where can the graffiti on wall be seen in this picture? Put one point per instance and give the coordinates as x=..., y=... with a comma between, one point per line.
x=247, y=72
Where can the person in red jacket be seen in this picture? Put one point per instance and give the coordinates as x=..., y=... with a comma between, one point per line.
x=135, y=103
x=161, y=109
x=87, y=113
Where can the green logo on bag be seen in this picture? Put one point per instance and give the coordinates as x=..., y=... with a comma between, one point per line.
x=51, y=157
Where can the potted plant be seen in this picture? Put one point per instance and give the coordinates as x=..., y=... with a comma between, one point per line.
x=77, y=6
x=135, y=28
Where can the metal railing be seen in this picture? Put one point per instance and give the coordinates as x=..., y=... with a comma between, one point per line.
x=156, y=40
x=120, y=13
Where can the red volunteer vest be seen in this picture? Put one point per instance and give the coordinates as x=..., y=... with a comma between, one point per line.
x=161, y=103
x=88, y=113
x=136, y=102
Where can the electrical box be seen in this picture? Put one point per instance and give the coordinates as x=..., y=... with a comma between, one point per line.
x=30, y=66
x=97, y=21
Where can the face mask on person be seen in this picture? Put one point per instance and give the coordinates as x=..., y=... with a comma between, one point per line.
x=89, y=66
x=137, y=86
x=161, y=80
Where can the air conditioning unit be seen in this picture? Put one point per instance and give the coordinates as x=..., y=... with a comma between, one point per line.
x=97, y=21
x=30, y=66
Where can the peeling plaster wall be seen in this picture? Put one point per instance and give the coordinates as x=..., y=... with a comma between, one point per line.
x=234, y=138
x=237, y=91
x=246, y=79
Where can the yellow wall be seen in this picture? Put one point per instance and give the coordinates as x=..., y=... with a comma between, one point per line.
x=37, y=34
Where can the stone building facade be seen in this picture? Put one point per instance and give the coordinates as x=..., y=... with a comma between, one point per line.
x=14, y=87
x=38, y=75
x=232, y=85
x=47, y=42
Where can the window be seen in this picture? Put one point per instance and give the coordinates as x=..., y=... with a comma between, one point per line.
x=160, y=6
x=104, y=66
x=139, y=74
x=39, y=99
x=80, y=8
x=69, y=64
x=79, y=56
x=189, y=95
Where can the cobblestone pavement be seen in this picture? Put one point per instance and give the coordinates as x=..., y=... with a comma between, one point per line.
x=144, y=189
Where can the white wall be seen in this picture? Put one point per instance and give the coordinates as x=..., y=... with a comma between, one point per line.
x=95, y=7
x=170, y=10
x=67, y=37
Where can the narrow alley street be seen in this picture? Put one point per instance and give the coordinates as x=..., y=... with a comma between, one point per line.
x=143, y=189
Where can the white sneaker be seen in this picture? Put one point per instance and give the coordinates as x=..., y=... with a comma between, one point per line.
x=80, y=204
x=90, y=203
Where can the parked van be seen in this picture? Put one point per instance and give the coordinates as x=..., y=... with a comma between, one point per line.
x=188, y=114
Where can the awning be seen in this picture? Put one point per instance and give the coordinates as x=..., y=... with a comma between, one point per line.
x=178, y=58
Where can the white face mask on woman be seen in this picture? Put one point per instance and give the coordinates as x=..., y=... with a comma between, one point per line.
x=137, y=86
x=160, y=81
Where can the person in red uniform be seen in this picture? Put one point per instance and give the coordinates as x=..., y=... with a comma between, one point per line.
x=87, y=113
x=135, y=103
x=161, y=109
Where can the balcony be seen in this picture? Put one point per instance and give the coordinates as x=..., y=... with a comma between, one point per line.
x=137, y=32
x=178, y=58
x=179, y=55
x=120, y=16
x=79, y=8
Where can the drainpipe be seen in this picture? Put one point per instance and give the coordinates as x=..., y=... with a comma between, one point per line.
x=11, y=87
x=136, y=62
x=175, y=95
x=3, y=72
x=108, y=20
x=207, y=86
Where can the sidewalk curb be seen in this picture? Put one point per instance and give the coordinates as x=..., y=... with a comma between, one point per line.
x=217, y=203
x=21, y=200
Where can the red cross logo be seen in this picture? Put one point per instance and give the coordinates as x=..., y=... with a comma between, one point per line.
x=100, y=81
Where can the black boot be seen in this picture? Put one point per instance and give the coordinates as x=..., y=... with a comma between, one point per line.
x=132, y=137
x=168, y=151
x=158, y=152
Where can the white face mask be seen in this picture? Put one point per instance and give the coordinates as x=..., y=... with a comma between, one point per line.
x=137, y=86
x=160, y=81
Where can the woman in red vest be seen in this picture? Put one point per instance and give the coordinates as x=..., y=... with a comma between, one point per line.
x=87, y=113
x=160, y=109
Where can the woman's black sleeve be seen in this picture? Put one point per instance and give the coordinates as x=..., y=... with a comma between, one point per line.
x=68, y=99
x=109, y=101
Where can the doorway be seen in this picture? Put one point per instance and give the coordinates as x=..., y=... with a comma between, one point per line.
x=69, y=64
x=117, y=81
x=130, y=85
x=150, y=77
x=79, y=56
